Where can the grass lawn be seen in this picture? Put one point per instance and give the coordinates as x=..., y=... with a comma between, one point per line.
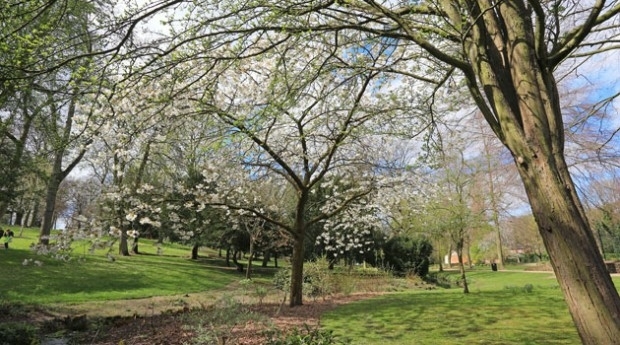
x=500, y=310
x=92, y=277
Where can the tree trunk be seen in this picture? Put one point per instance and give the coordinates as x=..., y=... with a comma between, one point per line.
x=266, y=257
x=58, y=174
x=459, y=254
x=297, y=259
x=134, y=248
x=228, y=257
x=587, y=286
x=297, y=272
x=50, y=206
x=440, y=256
x=248, y=273
x=234, y=256
x=195, y=251
x=522, y=105
x=470, y=262
x=123, y=247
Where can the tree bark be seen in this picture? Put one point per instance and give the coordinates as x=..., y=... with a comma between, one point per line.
x=587, y=286
x=134, y=247
x=195, y=251
x=123, y=247
x=50, y=204
x=511, y=79
x=459, y=254
x=248, y=274
x=297, y=259
x=266, y=257
x=297, y=272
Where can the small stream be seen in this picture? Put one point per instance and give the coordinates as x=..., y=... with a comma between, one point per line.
x=54, y=341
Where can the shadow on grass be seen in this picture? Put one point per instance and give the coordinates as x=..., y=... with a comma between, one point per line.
x=445, y=318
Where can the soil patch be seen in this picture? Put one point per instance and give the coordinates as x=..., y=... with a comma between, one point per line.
x=170, y=327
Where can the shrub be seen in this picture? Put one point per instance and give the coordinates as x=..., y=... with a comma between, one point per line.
x=408, y=256
x=305, y=336
x=441, y=279
x=251, y=288
x=215, y=324
x=372, y=272
x=13, y=309
x=282, y=279
x=14, y=333
x=317, y=280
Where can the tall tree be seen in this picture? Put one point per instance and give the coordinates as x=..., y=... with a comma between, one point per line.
x=67, y=126
x=299, y=120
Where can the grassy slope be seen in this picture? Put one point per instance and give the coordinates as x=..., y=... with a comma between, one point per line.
x=92, y=277
x=498, y=311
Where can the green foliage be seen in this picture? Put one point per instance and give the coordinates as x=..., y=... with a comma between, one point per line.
x=16, y=333
x=317, y=279
x=408, y=256
x=282, y=279
x=608, y=230
x=442, y=279
x=371, y=272
x=253, y=289
x=320, y=282
x=305, y=336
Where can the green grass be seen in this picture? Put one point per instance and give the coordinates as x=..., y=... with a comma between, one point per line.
x=498, y=311
x=92, y=277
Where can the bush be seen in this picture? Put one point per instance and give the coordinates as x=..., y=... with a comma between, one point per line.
x=317, y=280
x=371, y=272
x=282, y=279
x=305, y=336
x=253, y=289
x=14, y=333
x=215, y=324
x=441, y=279
x=408, y=256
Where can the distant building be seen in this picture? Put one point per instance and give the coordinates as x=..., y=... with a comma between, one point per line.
x=454, y=259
